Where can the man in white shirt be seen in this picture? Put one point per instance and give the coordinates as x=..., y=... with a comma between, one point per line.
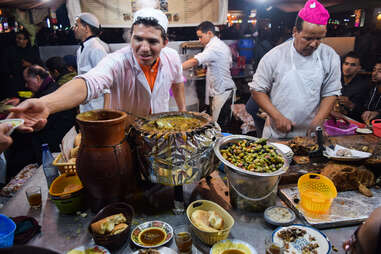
x=122, y=72
x=219, y=84
x=90, y=53
x=297, y=82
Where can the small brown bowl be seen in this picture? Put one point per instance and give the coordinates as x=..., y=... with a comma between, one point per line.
x=113, y=242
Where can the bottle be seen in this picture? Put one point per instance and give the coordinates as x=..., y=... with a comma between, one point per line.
x=50, y=171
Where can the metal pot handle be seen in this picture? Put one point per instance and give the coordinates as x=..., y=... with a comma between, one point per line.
x=255, y=199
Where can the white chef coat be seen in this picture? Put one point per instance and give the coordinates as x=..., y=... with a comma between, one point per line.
x=296, y=84
x=92, y=53
x=130, y=92
x=218, y=58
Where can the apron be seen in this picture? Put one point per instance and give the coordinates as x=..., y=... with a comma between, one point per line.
x=297, y=97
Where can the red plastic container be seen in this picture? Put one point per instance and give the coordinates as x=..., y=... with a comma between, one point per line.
x=339, y=128
x=376, y=123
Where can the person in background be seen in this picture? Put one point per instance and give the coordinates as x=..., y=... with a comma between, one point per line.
x=297, y=82
x=59, y=70
x=39, y=81
x=91, y=52
x=139, y=75
x=372, y=107
x=219, y=84
x=355, y=87
x=14, y=60
x=71, y=63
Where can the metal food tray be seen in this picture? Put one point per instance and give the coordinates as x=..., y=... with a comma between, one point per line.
x=348, y=208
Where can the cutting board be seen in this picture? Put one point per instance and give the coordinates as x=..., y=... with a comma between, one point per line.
x=348, y=208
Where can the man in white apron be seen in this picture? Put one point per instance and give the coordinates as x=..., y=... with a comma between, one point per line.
x=90, y=53
x=219, y=83
x=139, y=76
x=297, y=82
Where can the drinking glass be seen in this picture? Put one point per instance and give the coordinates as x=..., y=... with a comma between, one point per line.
x=33, y=194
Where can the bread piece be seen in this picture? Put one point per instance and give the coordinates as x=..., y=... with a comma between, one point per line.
x=347, y=177
x=200, y=219
x=366, y=177
x=74, y=152
x=106, y=225
x=77, y=140
x=118, y=218
x=365, y=191
x=301, y=159
x=103, y=226
x=119, y=228
x=215, y=220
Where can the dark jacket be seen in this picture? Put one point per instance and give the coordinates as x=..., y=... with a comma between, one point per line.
x=373, y=102
x=357, y=92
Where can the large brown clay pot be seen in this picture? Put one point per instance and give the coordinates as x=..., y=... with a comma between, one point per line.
x=105, y=163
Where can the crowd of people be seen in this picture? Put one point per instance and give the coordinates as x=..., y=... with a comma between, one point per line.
x=298, y=84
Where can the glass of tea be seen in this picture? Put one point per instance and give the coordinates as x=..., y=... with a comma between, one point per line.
x=183, y=239
x=33, y=194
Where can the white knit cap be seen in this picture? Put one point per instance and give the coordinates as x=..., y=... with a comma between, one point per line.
x=153, y=13
x=89, y=19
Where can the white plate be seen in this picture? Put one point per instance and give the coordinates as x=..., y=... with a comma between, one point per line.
x=364, y=131
x=162, y=250
x=298, y=244
x=277, y=223
x=83, y=248
x=16, y=122
x=231, y=244
x=356, y=155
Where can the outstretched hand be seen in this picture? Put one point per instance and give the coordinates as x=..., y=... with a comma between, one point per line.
x=34, y=112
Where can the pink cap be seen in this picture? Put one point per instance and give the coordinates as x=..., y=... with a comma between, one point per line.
x=314, y=12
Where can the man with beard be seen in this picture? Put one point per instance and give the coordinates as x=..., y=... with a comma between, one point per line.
x=297, y=82
x=139, y=77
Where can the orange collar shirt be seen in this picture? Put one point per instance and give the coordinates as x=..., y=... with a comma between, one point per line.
x=150, y=72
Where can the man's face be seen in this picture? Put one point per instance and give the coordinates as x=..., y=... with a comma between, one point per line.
x=309, y=39
x=204, y=38
x=32, y=83
x=351, y=66
x=80, y=30
x=147, y=43
x=376, y=74
x=21, y=41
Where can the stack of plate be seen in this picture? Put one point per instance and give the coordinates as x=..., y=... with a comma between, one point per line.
x=286, y=150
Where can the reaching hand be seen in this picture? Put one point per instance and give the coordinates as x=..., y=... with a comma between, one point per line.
x=5, y=140
x=367, y=116
x=283, y=124
x=34, y=112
